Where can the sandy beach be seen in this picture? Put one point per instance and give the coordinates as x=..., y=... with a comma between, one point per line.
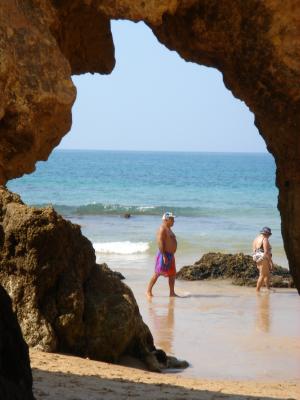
x=240, y=347
x=59, y=377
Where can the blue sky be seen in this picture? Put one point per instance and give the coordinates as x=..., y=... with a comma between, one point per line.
x=154, y=100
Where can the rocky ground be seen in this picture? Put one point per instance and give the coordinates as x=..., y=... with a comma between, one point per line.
x=240, y=268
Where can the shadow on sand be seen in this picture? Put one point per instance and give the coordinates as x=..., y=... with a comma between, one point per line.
x=57, y=385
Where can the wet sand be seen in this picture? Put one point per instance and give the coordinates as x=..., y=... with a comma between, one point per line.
x=225, y=331
x=59, y=377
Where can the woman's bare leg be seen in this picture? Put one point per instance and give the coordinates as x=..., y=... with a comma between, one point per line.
x=267, y=281
x=259, y=283
x=264, y=275
x=260, y=279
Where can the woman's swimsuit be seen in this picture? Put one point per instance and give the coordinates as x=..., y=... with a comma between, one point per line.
x=262, y=250
x=262, y=246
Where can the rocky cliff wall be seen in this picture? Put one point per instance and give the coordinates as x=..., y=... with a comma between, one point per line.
x=255, y=44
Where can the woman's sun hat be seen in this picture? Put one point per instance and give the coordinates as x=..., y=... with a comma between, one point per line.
x=266, y=230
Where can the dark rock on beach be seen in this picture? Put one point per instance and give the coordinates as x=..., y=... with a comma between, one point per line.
x=240, y=268
x=116, y=274
x=119, y=275
x=15, y=372
x=64, y=300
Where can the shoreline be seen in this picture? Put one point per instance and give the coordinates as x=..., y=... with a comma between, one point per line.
x=57, y=376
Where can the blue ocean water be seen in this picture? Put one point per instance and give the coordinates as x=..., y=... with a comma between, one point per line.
x=221, y=199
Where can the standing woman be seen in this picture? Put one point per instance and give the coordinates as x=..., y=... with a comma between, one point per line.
x=263, y=257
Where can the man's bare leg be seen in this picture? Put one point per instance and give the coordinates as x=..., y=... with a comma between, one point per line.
x=171, y=286
x=151, y=284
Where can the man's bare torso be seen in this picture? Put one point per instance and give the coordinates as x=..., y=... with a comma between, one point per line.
x=166, y=239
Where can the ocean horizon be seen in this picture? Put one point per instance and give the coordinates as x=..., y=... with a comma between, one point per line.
x=161, y=151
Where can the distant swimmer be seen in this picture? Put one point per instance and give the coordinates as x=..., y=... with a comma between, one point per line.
x=165, y=260
x=263, y=257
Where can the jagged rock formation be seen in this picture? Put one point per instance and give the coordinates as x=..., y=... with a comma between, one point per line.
x=64, y=301
x=15, y=372
x=239, y=268
x=255, y=44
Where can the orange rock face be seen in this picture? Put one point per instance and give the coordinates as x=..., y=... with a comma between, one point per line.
x=255, y=44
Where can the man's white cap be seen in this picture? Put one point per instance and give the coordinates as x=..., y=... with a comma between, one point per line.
x=167, y=215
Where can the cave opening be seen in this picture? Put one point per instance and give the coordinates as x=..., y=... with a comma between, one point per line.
x=94, y=186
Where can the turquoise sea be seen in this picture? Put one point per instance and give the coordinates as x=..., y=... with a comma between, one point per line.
x=221, y=200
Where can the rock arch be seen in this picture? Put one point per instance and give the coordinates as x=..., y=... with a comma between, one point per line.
x=255, y=44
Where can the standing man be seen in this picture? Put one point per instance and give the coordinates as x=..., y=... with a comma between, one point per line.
x=165, y=260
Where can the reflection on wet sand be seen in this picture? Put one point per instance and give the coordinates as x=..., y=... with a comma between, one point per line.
x=263, y=316
x=225, y=331
x=162, y=320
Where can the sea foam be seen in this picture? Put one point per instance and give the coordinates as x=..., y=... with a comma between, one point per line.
x=125, y=247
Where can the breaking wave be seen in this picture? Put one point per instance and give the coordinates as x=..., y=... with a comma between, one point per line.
x=125, y=247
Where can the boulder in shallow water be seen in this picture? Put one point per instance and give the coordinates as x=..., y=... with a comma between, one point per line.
x=64, y=301
x=240, y=268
